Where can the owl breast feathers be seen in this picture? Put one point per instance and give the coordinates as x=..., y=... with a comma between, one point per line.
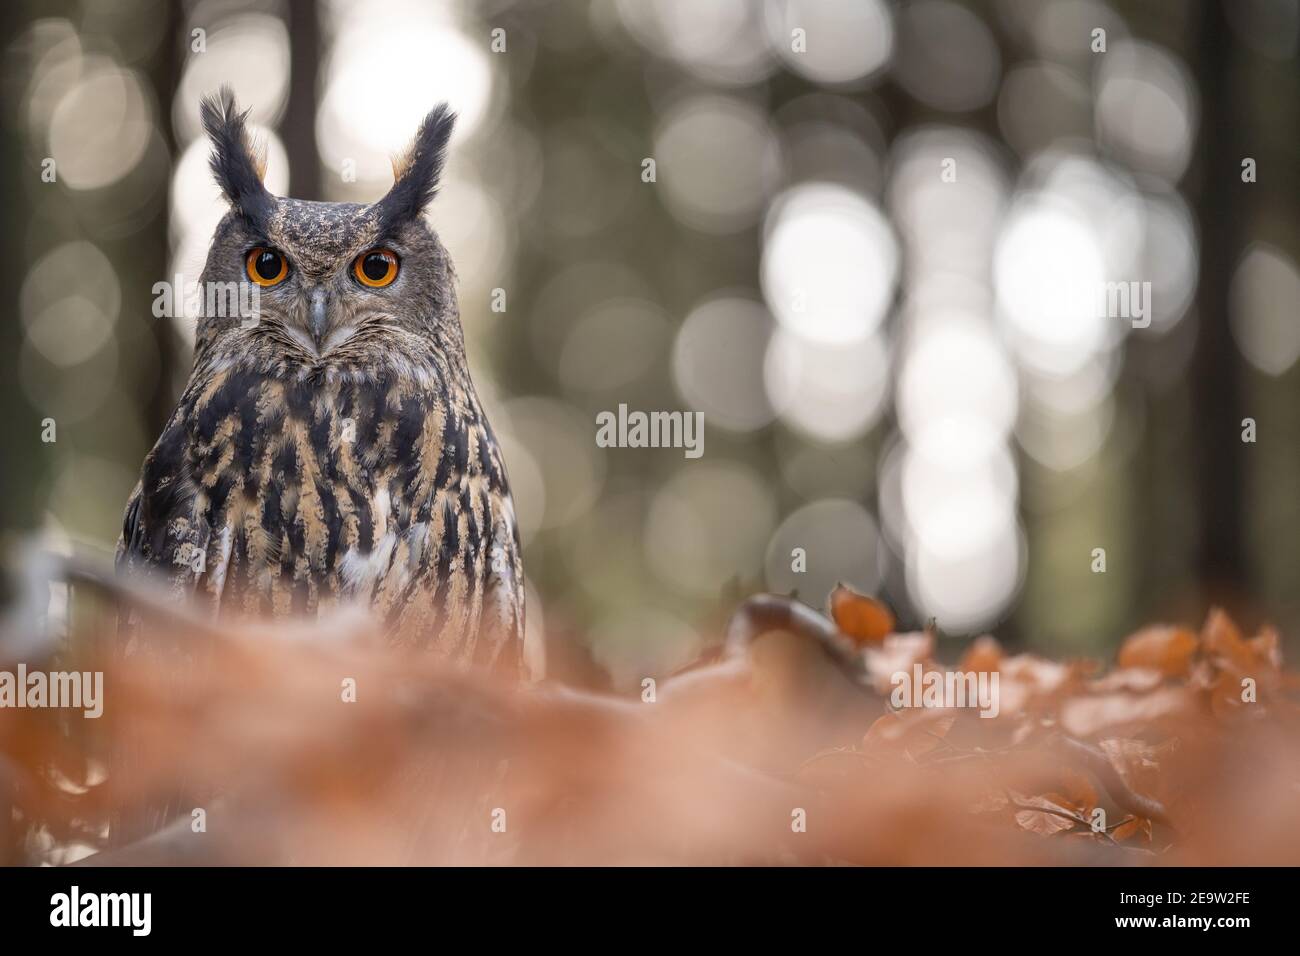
x=331, y=450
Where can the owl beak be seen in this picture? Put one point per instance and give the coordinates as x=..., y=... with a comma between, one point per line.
x=318, y=316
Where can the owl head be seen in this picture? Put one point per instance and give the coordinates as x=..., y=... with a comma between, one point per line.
x=335, y=282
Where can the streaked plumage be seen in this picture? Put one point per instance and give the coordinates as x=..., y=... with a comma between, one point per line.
x=335, y=451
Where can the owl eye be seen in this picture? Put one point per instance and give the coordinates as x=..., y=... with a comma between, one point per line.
x=376, y=268
x=266, y=267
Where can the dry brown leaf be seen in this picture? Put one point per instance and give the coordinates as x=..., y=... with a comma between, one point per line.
x=1086, y=716
x=1027, y=683
x=1078, y=792
x=1223, y=643
x=1136, y=680
x=1137, y=762
x=1037, y=673
x=916, y=731
x=1050, y=818
x=1267, y=647
x=1036, y=821
x=898, y=653
x=983, y=656
x=1168, y=650
x=1137, y=829
x=862, y=618
x=1226, y=689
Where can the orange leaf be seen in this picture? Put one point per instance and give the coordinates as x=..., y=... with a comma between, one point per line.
x=1085, y=716
x=1267, y=647
x=1035, y=821
x=1040, y=675
x=897, y=653
x=1135, y=680
x=1049, y=819
x=983, y=656
x=1078, y=791
x=1223, y=642
x=1139, y=764
x=1139, y=827
x=1225, y=694
x=915, y=731
x=864, y=619
x=1168, y=650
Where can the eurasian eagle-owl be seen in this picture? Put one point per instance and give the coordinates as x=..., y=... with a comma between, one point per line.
x=333, y=449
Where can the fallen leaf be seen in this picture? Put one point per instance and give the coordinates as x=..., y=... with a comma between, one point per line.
x=984, y=656
x=1222, y=641
x=915, y=731
x=898, y=653
x=1138, y=827
x=1267, y=647
x=864, y=619
x=1078, y=791
x=1085, y=716
x=1168, y=650
x=1039, y=674
x=1136, y=680
x=1137, y=762
x=1051, y=818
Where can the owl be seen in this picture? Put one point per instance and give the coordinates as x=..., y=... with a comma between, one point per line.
x=329, y=448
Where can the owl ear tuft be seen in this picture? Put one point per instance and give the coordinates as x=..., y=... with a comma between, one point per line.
x=417, y=171
x=237, y=163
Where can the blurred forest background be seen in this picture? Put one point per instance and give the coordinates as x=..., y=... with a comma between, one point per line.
x=891, y=377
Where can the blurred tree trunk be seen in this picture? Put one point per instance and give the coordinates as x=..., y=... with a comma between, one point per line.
x=299, y=127
x=1216, y=364
x=20, y=430
x=164, y=73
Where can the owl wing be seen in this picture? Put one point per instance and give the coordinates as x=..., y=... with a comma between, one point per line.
x=501, y=626
x=164, y=532
x=206, y=515
x=448, y=575
x=452, y=583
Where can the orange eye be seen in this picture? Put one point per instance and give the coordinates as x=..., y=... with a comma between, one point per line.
x=376, y=268
x=266, y=267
